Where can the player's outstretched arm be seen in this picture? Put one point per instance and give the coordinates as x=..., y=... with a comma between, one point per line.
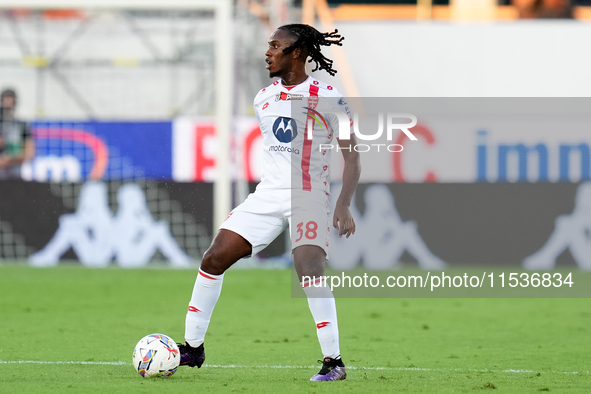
x=343, y=220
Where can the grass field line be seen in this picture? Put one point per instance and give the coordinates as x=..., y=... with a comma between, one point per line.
x=66, y=362
x=461, y=370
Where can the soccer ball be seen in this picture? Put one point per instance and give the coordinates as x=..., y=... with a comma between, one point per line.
x=156, y=355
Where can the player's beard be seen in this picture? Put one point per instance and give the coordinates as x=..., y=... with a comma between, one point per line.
x=282, y=65
x=273, y=74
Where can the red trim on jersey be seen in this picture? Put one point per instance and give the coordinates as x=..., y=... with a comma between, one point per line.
x=290, y=87
x=307, y=149
x=205, y=275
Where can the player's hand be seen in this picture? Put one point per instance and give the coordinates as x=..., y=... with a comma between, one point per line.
x=343, y=220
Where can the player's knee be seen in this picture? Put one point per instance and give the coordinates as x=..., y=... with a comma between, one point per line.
x=214, y=262
x=309, y=261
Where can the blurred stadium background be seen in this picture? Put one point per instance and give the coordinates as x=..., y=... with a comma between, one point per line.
x=159, y=94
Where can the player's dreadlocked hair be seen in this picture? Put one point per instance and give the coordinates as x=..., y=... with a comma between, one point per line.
x=311, y=39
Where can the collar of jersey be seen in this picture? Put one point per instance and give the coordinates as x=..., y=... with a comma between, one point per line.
x=293, y=86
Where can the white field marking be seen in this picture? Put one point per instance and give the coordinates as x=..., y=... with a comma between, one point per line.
x=305, y=367
x=66, y=362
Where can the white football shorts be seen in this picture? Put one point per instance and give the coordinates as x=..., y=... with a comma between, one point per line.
x=267, y=212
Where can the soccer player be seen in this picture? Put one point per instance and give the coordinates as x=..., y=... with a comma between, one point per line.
x=16, y=143
x=296, y=173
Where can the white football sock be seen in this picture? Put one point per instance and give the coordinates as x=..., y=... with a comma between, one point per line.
x=324, y=311
x=205, y=295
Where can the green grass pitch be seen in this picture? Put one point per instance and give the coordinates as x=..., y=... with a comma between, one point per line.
x=262, y=340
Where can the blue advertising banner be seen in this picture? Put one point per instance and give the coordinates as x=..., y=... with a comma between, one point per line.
x=75, y=151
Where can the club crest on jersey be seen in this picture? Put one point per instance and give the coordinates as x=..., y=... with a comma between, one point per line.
x=285, y=129
x=288, y=96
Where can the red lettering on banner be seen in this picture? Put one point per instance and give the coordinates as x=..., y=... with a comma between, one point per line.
x=204, y=159
x=418, y=130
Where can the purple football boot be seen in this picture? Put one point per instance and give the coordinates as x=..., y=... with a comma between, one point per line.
x=331, y=370
x=192, y=356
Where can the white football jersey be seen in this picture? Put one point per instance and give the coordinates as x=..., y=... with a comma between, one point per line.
x=291, y=160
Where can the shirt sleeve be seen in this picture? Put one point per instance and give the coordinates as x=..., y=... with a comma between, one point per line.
x=339, y=105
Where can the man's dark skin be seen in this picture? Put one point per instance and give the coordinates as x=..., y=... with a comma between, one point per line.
x=228, y=247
